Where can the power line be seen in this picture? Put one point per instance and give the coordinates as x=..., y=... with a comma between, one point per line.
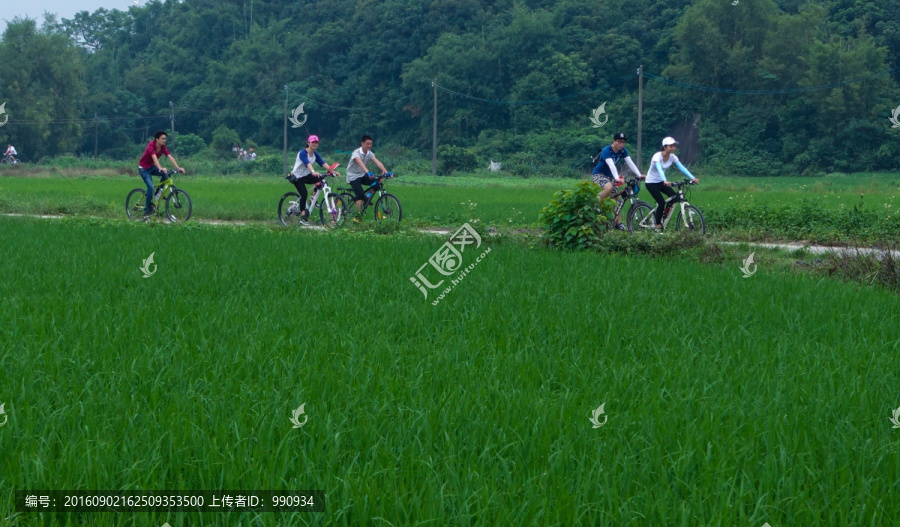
x=769, y=92
x=362, y=107
x=539, y=101
x=70, y=121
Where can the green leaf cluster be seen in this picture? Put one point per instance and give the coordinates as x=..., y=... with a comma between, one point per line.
x=571, y=220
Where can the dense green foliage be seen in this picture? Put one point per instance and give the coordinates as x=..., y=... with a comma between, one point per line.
x=537, y=69
x=725, y=412
x=571, y=220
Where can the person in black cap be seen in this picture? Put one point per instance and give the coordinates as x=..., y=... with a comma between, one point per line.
x=607, y=175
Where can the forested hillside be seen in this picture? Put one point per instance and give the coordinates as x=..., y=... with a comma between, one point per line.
x=769, y=86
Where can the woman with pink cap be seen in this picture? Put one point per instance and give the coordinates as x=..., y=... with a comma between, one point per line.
x=304, y=174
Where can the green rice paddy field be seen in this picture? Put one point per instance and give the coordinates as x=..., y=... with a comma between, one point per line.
x=727, y=401
x=730, y=204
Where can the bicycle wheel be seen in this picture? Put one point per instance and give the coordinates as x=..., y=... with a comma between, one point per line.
x=135, y=203
x=178, y=206
x=349, y=202
x=693, y=220
x=331, y=211
x=641, y=217
x=289, y=209
x=637, y=203
x=388, y=207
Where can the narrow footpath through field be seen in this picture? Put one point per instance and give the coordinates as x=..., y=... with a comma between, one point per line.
x=443, y=231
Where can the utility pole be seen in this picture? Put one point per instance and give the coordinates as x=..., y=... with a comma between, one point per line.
x=284, y=152
x=95, y=136
x=434, y=133
x=172, y=117
x=640, y=72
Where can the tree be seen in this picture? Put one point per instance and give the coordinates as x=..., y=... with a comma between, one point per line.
x=40, y=79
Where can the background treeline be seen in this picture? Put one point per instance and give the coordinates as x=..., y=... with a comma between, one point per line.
x=531, y=72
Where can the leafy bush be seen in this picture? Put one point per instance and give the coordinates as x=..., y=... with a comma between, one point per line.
x=571, y=219
x=269, y=165
x=452, y=158
x=223, y=138
x=187, y=144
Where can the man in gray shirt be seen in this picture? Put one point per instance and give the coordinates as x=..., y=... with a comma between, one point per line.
x=358, y=174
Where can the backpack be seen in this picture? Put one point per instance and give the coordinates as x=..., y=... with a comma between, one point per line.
x=596, y=158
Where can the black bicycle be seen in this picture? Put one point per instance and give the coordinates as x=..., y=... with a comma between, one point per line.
x=625, y=194
x=643, y=217
x=387, y=206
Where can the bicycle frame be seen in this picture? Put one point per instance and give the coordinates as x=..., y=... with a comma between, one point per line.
x=627, y=196
x=326, y=205
x=678, y=199
x=166, y=185
x=313, y=201
x=377, y=188
x=623, y=197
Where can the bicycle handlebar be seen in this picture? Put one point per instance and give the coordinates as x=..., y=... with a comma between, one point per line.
x=683, y=183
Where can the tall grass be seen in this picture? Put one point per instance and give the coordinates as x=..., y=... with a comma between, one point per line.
x=730, y=401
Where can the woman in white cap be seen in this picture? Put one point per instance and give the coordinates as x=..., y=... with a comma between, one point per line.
x=656, y=183
x=304, y=174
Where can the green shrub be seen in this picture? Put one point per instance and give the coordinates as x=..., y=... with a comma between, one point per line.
x=268, y=165
x=187, y=144
x=571, y=220
x=452, y=158
x=223, y=138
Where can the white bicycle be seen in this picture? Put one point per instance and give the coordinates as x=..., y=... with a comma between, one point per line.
x=330, y=205
x=642, y=216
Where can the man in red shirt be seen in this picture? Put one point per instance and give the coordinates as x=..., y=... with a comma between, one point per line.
x=149, y=166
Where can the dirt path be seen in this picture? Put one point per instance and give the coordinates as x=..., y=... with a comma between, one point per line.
x=817, y=249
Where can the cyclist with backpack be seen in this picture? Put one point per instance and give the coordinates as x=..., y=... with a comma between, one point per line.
x=606, y=174
x=304, y=174
x=657, y=184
